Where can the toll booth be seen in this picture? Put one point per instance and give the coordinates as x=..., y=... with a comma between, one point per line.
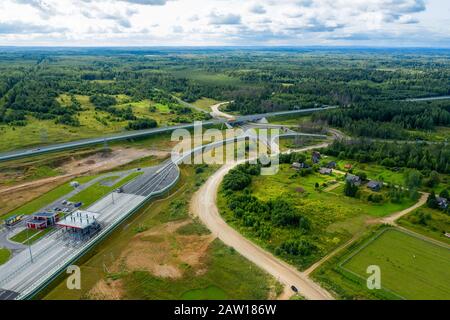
x=80, y=225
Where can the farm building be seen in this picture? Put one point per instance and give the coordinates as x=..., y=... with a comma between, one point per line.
x=332, y=165
x=353, y=179
x=375, y=185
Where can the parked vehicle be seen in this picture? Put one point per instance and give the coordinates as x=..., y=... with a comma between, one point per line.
x=11, y=221
x=77, y=205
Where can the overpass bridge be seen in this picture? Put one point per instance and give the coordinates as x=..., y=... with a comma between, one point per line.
x=143, y=133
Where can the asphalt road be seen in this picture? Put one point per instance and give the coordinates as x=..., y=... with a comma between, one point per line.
x=138, y=134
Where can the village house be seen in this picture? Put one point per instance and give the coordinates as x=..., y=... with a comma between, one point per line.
x=353, y=179
x=375, y=185
x=326, y=171
x=442, y=203
x=332, y=165
x=316, y=157
x=298, y=166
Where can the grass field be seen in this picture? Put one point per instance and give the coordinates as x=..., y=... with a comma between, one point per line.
x=205, y=103
x=98, y=191
x=411, y=268
x=29, y=236
x=5, y=254
x=44, y=200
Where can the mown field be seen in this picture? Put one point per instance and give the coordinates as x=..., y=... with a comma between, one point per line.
x=411, y=268
x=162, y=253
x=99, y=190
x=47, y=198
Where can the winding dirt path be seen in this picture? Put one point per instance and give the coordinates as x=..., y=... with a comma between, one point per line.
x=204, y=205
x=394, y=217
x=216, y=113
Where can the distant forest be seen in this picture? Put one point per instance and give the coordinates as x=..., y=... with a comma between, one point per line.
x=256, y=80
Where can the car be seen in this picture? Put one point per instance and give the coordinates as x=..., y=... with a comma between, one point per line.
x=139, y=169
x=294, y=288
x=79, y=204
x=64, y=202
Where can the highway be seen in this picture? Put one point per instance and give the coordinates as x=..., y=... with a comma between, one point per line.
x=22, y=278
x=428, y=99
x=139, y=134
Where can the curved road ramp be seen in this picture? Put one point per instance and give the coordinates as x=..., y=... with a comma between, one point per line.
x=28, y=273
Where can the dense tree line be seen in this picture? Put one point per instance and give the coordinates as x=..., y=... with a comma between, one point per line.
x=424, y=157
x=388, y=120
x=264, y=217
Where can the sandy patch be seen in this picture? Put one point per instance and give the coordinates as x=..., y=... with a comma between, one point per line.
x=15, y=196
x=161, y=251
x=104, y=161
x=107, y=290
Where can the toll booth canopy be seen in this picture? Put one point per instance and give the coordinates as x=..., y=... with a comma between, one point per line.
x=80, y=225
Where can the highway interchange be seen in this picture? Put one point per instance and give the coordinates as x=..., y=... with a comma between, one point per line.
x=24, y=275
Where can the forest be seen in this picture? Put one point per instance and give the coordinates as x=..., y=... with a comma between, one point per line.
x=256, y=80
x=388, y=119
x=420, y=156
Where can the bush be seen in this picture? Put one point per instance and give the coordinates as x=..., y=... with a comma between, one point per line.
x=351, y=190
x=236, y=180
x=142, y=124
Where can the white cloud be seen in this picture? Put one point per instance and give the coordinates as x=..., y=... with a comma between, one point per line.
x=215, y=22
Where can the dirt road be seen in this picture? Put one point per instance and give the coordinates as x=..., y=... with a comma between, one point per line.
x=216, y=113
x=204, y=206
x=394, y=217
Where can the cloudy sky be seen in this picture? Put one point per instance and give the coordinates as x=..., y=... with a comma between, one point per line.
x=225, y=22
